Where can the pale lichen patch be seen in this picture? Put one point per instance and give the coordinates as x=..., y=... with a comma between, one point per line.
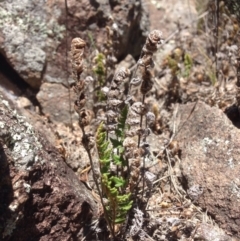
x=27, y=187
x=205, y=143
x=16, y=137
x=13, y=207
x=235, y=188
x=2, y=125
x=230, y=163
x=19, y=136
x=5, y=103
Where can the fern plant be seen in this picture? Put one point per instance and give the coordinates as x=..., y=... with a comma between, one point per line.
x=188, y=63
x=120, y=155
x=111, y=153
x=100, y=71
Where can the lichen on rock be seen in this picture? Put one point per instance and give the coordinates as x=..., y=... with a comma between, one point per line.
x=39, y=194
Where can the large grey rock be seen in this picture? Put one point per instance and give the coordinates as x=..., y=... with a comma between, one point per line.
x=33, y=33
x=210, y=154
x=24, y=31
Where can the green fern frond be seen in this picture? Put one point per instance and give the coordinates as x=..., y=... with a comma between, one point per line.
x=188, y=63
x=102, y=143
x=113, y=184
x=104, y=149
x=120, y=131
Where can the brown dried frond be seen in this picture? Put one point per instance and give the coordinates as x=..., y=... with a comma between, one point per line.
x=88, y=141
x=80, y=103
x=146, y=61
x=151, y=118
x=147, y=83
x=79, y=87
x=109, y=33
x=137, y=132
x=121, y=74
x=131, y=149
x=113, y=93
x=113, y=103
x=153, y=39
x=85, y=117
x=146, y=86
x=111, y=114
x=77, y=50
x=129, y=143
x=132, y=132
x=138, y=108
x=134, y=172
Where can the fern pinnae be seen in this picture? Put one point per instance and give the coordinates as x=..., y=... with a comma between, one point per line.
x=113, y=183
x=122, y=140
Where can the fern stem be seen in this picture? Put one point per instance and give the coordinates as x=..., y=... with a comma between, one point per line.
x=97, y=185
x=141, y=121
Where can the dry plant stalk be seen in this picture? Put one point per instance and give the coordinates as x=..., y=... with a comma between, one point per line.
x=138, y=111
x=77, y=50
x=238, y=81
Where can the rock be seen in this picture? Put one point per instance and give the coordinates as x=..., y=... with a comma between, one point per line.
x=166, y=15
x=56, y=132
x=23, y=102
x=23, y=32
x=128, y=62
x=40, y=197
x=76, y=156
x=210, y=154
x=55, y=103
x=33, y=34
x=207, y=232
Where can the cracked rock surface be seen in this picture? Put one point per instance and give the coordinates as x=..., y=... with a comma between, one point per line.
x=41, y=198
x=210, y=154
x=33, y=35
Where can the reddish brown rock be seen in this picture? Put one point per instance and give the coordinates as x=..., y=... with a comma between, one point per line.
x=41, y=198
x=210, y=154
